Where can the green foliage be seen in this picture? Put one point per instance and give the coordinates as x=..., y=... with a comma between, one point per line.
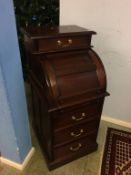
x=35, y=13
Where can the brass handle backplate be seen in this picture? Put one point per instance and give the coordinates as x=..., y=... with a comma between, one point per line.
x=59, y=42
x=70, y=41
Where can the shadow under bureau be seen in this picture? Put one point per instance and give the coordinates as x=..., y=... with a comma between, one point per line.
x=68, y=84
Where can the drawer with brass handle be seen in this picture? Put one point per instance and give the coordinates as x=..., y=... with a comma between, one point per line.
x=75, y=116
x=55, y=44
x=68, y=134
x=76, y=147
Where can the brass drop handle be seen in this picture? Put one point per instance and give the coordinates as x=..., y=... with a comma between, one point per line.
x=80, y=118
x=76, y=148
x=77, y=135
x=59, y=42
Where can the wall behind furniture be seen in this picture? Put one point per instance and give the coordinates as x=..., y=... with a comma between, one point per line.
x=15, y=141
x=111, y=21
x=8, y=144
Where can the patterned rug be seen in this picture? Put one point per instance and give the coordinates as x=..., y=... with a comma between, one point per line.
x=117, y=153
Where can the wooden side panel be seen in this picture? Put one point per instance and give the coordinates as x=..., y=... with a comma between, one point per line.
x=42, y=122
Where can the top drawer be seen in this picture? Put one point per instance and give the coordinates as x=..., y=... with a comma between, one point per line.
x=62, y=43
x=69, y=117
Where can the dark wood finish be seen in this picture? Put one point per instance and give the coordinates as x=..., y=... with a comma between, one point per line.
x=75, y=146
x=76, y=115
x=74, y=132
x=68, y=85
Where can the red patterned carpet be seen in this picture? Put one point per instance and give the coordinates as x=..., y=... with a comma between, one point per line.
x=117, y=153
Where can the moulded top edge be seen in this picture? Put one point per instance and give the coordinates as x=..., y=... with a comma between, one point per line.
x=55, y=31
x=64, y=106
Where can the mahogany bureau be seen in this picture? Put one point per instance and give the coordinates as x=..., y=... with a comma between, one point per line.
x=68, y=84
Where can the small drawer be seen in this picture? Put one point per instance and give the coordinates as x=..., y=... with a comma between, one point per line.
x=76, y=147
x=68, y=134
x=55, y=44
x=75, y=115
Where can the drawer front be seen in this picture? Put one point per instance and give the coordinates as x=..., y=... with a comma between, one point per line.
x=55, y=44
x=75, y=115
x=76, y=147
x=68, y=134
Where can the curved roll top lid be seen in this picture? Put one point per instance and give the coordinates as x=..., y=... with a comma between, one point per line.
x=73, y=76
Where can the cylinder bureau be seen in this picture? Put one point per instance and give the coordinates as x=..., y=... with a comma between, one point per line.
x=68, y=84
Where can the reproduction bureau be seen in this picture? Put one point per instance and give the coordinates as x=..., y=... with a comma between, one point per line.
x=68, y=85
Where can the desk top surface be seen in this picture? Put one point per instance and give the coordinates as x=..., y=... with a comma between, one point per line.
x=54, y=31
